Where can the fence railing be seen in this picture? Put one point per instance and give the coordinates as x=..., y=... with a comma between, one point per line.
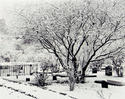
x=9, y=69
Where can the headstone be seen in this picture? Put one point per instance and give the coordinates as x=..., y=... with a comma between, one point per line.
x=94, y=70
x=8, y=74
x=16, y=76
x=104, y=84
x=119, y=71
x=31, y=73
x=21, y=68
x=108, y=71
x=54, y=77
x=27, y=79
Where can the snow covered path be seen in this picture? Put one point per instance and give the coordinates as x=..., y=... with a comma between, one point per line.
x=6, y=93
x=26, y=91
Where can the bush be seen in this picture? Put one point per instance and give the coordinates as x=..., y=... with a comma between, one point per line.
x=40, y=79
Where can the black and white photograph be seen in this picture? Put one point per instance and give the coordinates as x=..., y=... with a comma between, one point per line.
x=62, y=49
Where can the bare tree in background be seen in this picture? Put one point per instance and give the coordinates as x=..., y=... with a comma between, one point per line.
x=76, y=32
x=118, y=60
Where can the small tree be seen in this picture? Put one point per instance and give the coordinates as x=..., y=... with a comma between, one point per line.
x=42, y=75
x=117, y=61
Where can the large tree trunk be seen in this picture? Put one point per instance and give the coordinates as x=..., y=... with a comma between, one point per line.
x=75, y=66
x=82, y=79
x=72, y=74
x=71, y=80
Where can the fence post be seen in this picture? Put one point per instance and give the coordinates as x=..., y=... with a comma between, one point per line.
x=30, y=68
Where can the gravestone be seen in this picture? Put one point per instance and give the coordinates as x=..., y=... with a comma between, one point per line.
x=104, y=84
x=94, y=70
x=8, y=74
x=31, y=73
x=27, y=79
x=54, y=77
x=119, y=71
x=16, y=76
x=108, y=71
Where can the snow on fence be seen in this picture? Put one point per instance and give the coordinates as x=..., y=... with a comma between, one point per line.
x=12, y=69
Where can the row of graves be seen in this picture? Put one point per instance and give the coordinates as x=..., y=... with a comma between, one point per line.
x=109, y=71
x=17, y=69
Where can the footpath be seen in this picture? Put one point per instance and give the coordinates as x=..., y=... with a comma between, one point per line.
x=31, y=91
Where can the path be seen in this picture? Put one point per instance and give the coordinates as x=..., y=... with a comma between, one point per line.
x=30, y=91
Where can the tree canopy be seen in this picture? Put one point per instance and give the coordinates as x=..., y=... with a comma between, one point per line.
x=76, y=32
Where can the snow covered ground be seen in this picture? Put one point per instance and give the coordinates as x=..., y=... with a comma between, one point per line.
x=11, y=94
x=22, y=91
x=89, y=90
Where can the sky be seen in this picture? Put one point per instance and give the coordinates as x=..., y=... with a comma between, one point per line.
x=7, y=6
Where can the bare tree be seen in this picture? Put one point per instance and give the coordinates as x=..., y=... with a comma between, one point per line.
x=76, y=32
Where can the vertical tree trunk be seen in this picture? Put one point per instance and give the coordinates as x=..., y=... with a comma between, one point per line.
x=71, y=80
x=82, y=79
x=75, y=66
